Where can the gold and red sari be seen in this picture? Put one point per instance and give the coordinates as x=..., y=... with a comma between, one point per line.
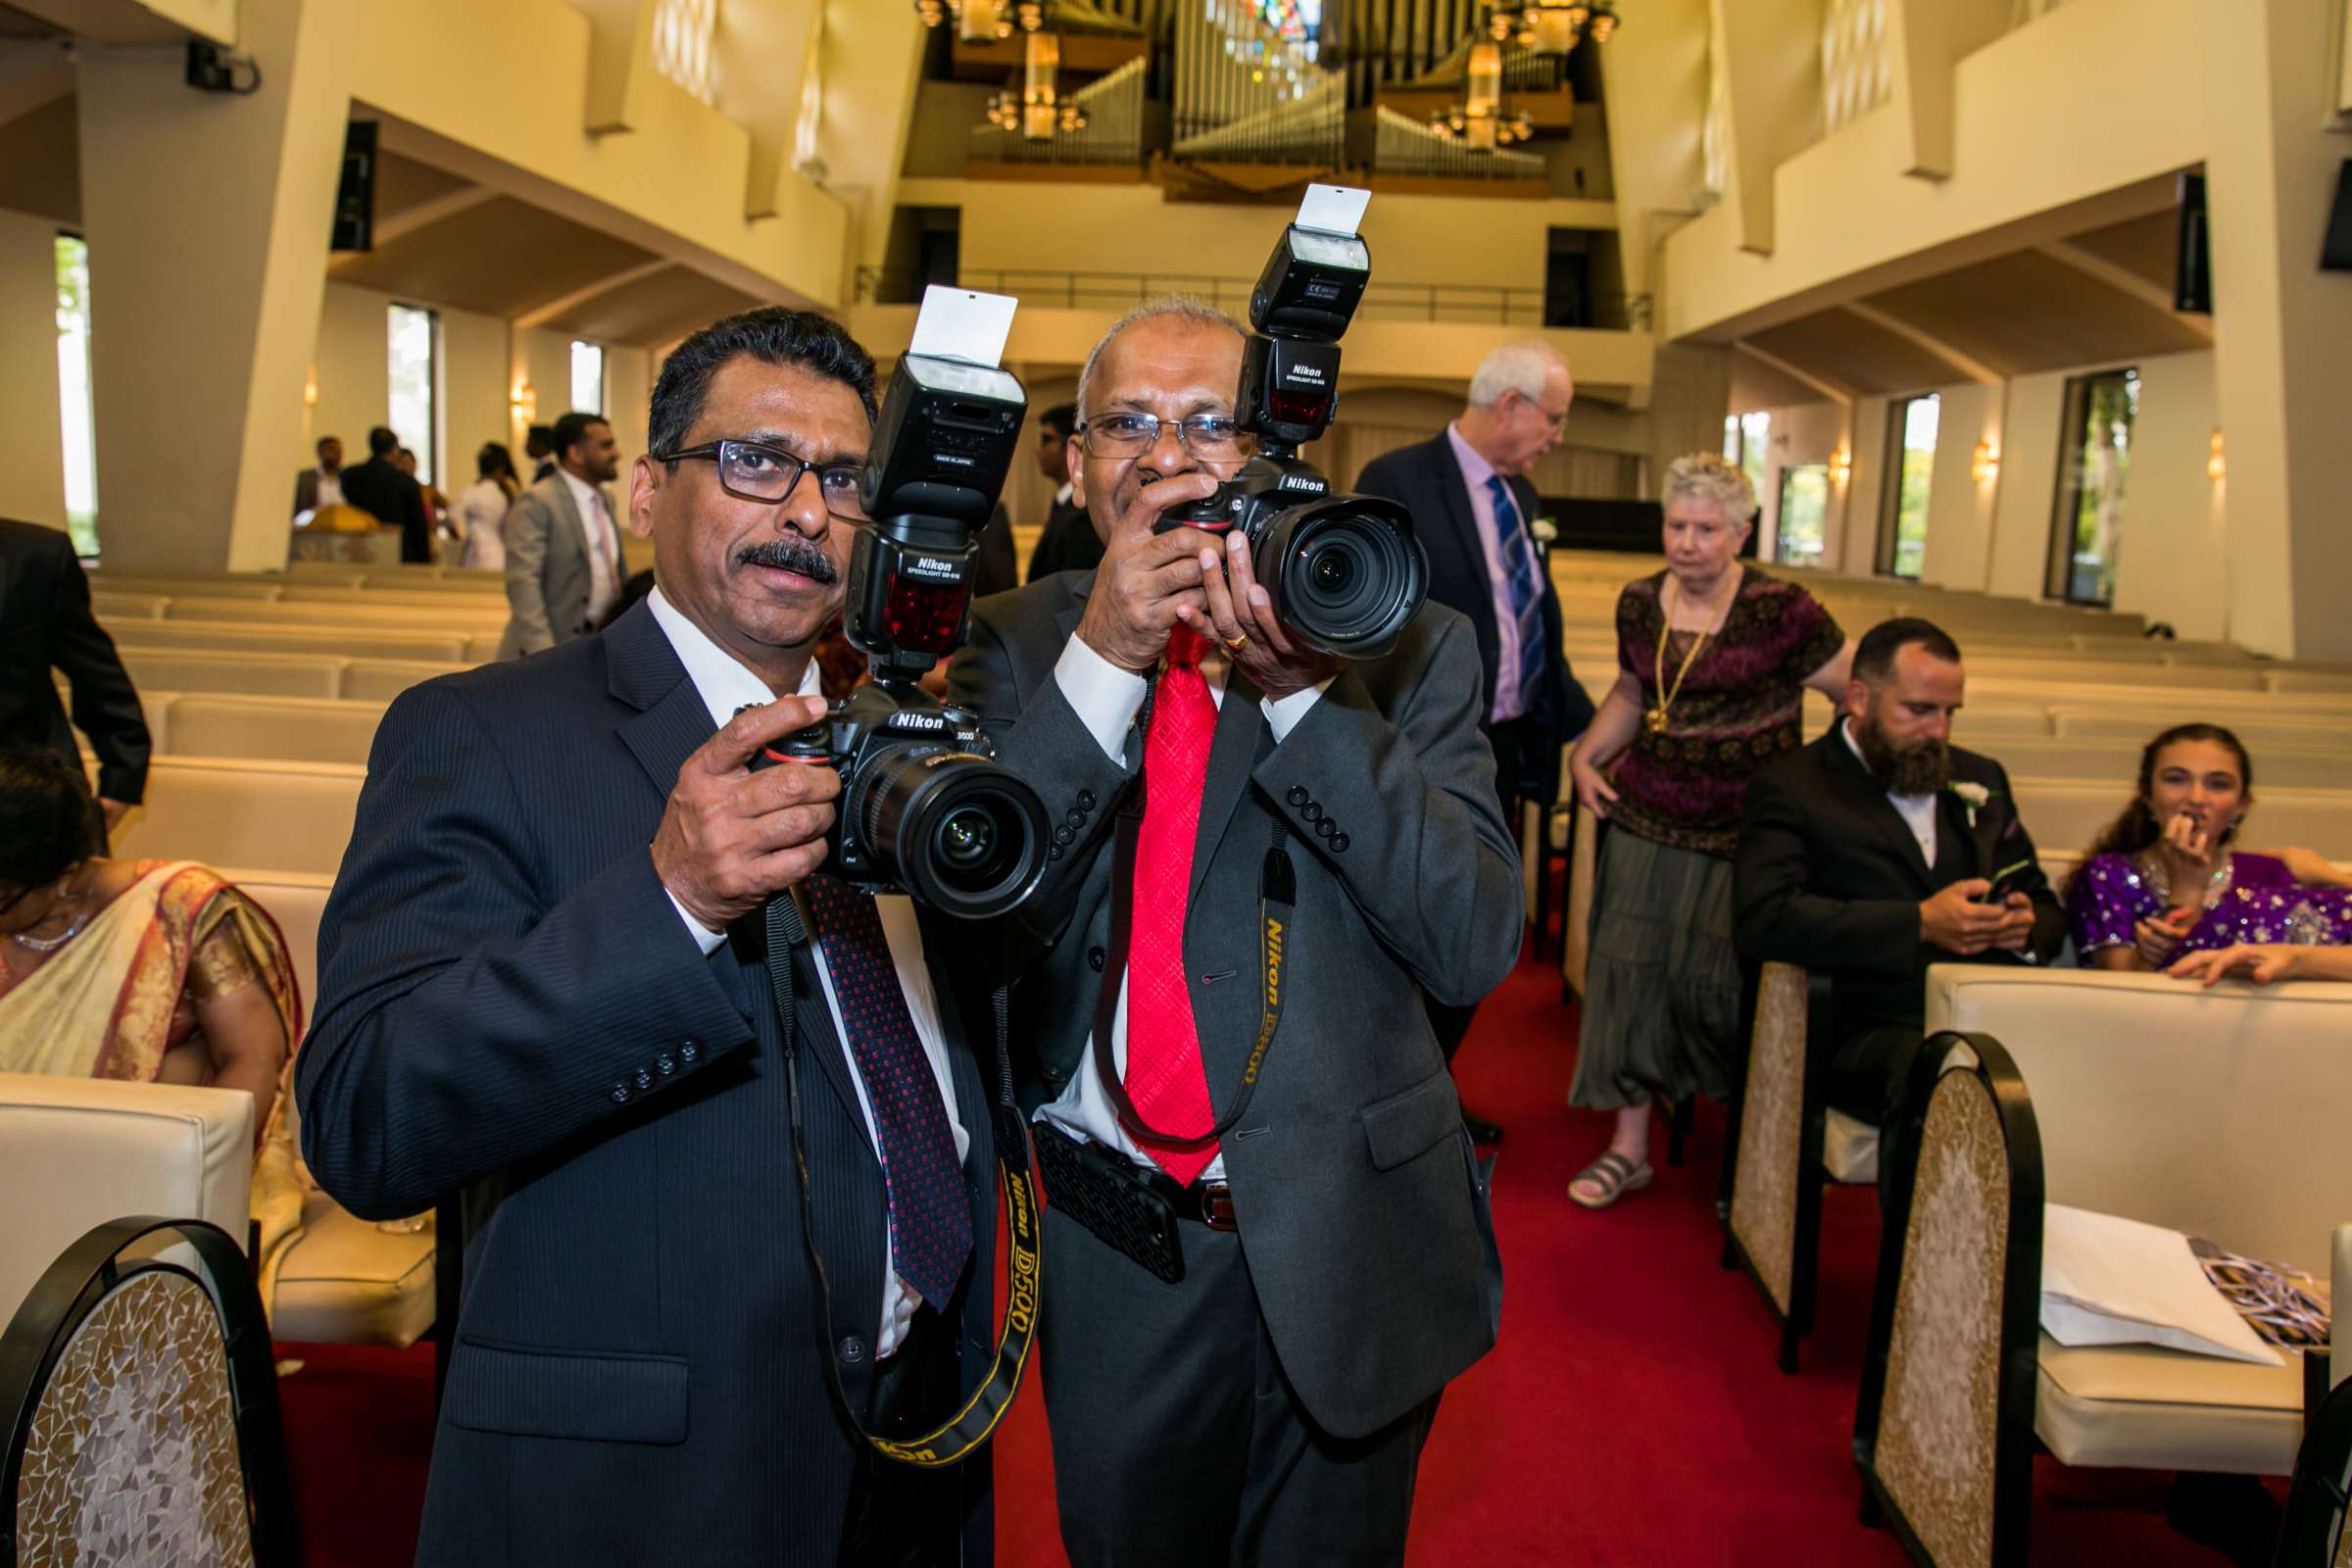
x=114, y=1001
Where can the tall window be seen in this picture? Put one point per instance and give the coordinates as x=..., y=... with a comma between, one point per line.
x=587, y=377
x=1744, y=437
x=1805, y=511
x=414, y=371
x=682, y=33
x=74, y=391
x=2099, y=413
x=1903, y=510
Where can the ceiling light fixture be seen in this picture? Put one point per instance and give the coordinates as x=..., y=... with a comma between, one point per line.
x=1479, y=121
x=1553, y=26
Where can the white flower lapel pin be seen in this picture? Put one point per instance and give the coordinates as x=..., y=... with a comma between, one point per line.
x=1972, y=798
x=1544, y=530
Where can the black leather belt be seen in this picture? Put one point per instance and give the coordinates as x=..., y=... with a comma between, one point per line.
x=1206, y=1202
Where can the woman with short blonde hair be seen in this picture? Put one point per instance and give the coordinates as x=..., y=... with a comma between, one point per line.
x=1713, y=660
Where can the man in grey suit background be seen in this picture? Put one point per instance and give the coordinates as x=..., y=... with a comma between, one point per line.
x=564, y=569
x=1264, y=1400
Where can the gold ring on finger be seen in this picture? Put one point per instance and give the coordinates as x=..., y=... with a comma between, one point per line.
x=1234, y=645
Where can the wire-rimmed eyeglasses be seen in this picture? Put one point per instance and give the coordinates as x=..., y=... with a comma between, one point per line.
x=751, y=471
x=1127, y=432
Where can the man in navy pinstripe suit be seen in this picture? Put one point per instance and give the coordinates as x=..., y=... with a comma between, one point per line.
x=543, y=983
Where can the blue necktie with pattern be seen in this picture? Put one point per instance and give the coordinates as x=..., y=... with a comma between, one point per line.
x=930, y=1212
x=1522, y=586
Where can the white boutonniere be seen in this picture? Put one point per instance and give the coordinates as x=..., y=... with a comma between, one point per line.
x=1972, y=798
x=1544, y=530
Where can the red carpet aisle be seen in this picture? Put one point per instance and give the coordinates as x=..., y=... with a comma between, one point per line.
x=1630, y=1414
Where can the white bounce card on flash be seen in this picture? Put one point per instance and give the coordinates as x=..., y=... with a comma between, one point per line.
x=961, y=324
x=1333, y=209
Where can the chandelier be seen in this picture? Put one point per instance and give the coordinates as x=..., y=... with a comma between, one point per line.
x=1479, y=121
x=1037, y=111
x=1553, y=26
x=979, y=21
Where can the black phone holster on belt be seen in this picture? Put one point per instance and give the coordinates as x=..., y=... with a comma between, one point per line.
x=1103, y=1190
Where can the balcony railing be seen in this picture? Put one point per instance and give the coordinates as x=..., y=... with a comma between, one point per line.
x=1470, y=304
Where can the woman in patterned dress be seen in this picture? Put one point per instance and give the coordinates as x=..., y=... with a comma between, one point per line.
x=2164, y=882
x=1713, y=661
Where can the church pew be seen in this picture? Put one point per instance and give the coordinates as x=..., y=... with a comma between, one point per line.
x=234, y=812
x=211, y=637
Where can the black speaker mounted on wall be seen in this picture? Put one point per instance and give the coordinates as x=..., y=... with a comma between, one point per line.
x=2192, y=259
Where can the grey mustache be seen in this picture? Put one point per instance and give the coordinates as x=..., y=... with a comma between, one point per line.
x=806, y=560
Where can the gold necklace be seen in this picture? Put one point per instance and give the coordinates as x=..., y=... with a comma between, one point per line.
x=1655, y=720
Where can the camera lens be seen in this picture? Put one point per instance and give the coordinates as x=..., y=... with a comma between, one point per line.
x=1345, y=572
x=954, y=829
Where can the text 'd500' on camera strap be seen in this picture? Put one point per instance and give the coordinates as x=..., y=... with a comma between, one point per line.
x=1277, y=895
x=977, y=1415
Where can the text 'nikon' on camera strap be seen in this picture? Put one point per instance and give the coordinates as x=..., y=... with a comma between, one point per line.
x=1277, y=895
x=977, y=1416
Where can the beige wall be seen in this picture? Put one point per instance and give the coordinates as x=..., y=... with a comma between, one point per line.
x=352, y=356
x=32, y=472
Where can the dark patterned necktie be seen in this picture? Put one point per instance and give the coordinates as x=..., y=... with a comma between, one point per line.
x=930, y=1212
x=1521, y=585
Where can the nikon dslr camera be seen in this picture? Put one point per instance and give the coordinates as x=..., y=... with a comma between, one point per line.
x=1344, y=571
x=925, y=807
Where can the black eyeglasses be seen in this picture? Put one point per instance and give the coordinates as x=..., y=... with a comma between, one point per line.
x=1125, y=434
x=750, y=471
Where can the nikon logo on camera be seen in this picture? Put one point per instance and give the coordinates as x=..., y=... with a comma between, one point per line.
x=931, y=721
x=1305, y=481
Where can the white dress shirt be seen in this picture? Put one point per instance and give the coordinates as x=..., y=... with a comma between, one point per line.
x=1107, y=699
x=601, y=540
x=330, y=488
x=1918, y=811
x=1509, y=683
x=725, y=685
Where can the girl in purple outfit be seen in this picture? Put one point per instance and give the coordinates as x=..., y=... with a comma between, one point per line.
x=2163, y=881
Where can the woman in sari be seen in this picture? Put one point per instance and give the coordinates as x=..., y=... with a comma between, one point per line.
x=146, y=971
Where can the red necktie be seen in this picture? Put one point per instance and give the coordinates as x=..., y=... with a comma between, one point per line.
x=1164, y=1076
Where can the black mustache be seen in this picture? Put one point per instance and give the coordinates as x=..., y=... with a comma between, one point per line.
x=786, y=555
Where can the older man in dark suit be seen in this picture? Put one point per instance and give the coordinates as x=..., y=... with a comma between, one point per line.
x=1270, y=1247
x=46, y=624
x=1870, y=853
x=544, y=978
x=1474, y=511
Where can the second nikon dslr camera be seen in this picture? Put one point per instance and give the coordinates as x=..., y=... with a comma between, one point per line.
x=924, y=805
x=1344, y=571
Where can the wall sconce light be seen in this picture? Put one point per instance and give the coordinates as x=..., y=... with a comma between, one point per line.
x=309, y=394
x=1985, y=461
x=526, y=401
x=1842, y=465
x=2214, y=468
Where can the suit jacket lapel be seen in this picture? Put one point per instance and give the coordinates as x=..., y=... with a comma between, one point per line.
x=1453, y=492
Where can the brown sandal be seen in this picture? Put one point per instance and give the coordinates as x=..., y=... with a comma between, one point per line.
x=1615, y=1176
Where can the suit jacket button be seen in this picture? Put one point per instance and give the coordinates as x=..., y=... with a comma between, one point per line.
x=688, y=1051
x=1326, y=828
x=1086, y=800
x=1296, y=795
x=1076, y=817
x=1312, y=810
x=1094, y=958
x=1338, y=843
x=1052, y=852
x=1063, y=834
x=851, y=1350
x=645, y=1079
x=665, y=1064
x=620, y=1093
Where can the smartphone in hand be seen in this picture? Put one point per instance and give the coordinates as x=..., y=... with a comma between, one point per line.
x=2005, y=881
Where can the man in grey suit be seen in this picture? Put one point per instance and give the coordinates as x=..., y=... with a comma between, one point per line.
x=564, y=557
x=1260, y=1391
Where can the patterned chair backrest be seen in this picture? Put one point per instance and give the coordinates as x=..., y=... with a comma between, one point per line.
x=1944, y=1427
x=1772, y=1133
x=142, y=1408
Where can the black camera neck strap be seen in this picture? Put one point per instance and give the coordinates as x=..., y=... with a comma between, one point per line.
x=976, y=1416
x=1277, y=895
